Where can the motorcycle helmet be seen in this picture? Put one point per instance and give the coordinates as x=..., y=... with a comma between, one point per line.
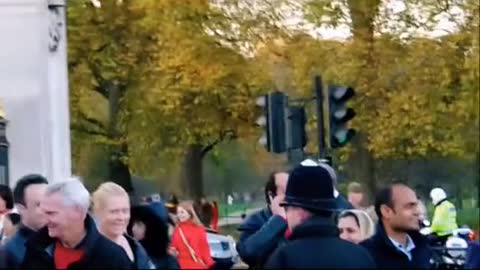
x=437, y=195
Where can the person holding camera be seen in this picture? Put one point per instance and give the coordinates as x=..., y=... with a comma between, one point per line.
x=263, y=231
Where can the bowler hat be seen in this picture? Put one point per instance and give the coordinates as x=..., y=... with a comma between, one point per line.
x=310, y=186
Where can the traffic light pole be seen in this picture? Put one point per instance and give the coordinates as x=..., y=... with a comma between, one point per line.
x=285, y=123
x=295, y=156
x=317, y=84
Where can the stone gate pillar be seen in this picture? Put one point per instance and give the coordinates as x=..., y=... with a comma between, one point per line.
x=34, y=87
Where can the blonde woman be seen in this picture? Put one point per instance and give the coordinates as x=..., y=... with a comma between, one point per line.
x=355, y=226
x=111, y=207
x=189, y=239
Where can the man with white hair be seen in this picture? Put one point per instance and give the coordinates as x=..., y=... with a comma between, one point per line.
x=444, y=220
x=71, y=240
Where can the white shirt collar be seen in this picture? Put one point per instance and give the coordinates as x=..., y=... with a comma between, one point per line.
x=407, y=250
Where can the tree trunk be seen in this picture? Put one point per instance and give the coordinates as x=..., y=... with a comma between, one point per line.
x=363, y=164
x=476, y=168
x=426, y=184
x=459, y=195
x=363, y=14
x=408, y=173
x=113, y=107
x=119, y=172
x=192, y=172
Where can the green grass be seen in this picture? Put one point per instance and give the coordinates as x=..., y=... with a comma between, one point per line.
x=234, y=209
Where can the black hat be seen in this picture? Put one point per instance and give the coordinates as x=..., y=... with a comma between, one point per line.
x=310, y=186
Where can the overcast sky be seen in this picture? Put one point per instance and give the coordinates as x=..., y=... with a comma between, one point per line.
x=391, y=7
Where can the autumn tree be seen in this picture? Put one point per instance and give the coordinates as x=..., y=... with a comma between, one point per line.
x=106, y=46
x=385, y=57
x=170, y=87
x=160, y=83
x=203, y=91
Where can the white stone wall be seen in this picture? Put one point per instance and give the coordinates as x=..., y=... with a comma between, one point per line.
x=34, y=91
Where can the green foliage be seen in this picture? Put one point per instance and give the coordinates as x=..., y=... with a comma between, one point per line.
x=469, y=216
x=183, y=77
x=233, y=210
x=415, y=97
x=177, y=85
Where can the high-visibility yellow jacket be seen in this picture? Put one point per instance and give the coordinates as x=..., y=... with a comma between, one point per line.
x=444, y=220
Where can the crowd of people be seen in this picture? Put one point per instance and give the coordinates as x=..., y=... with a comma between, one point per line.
x=62, y=226
x=306, y=223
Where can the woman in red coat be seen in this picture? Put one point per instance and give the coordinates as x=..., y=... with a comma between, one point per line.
x=189, y=240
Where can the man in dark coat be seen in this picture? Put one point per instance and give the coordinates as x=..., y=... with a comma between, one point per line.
x=3, y=259
x=314, y=243
x=71, y=239
x=158, y=207
x=262, y=232
x=27, y=194
x=397, y=242
x=155, y=239
x=473, y=256
x=341, y=202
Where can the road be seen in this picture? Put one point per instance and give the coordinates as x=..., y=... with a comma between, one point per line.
x=236, y=217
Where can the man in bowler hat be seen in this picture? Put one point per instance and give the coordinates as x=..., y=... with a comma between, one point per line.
x=314, y=242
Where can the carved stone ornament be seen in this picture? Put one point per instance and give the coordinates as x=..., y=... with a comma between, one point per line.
x=3, y=115
x=55, y=26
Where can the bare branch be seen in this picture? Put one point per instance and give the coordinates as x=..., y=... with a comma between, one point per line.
x=99, y=126
x=102, y=87
x=221, y=138
x=83, y=129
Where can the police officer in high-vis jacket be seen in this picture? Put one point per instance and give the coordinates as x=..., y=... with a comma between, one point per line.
x=444, y=220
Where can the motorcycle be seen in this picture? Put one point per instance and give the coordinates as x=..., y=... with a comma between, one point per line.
x=449, y=254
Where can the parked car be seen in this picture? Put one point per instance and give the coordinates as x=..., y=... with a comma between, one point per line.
x=222, y=248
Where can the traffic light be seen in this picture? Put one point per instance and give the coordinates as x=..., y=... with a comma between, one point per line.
x=296, y=135
x=273, y=120
x=339, y=115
